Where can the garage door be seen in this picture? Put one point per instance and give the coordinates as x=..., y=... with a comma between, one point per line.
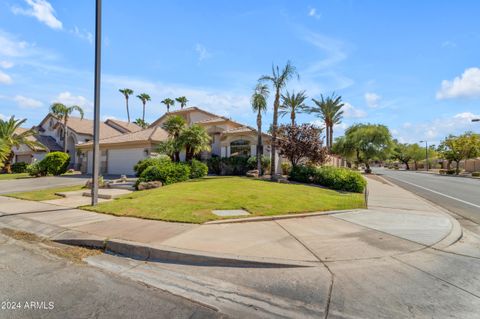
x=122, y=161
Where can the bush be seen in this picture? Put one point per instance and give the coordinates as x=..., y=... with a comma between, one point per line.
x=337, y=178
x=36, y=170
x=252, y=163
x=20, y=167
x=167, y=173
x=55, y=163
x=215, y=165
x=286, y=168
x=442, y=172
x=198, y=169
x=152, y=161
x=476, y=174
x=236, y=165
x=452, y=172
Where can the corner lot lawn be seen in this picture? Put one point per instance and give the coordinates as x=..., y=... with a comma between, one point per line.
x=193, y=201
x=44, y=194
x=13, y=176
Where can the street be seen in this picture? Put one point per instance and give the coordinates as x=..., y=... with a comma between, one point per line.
x=459, y=195
x=30, y=184
x=40, y=284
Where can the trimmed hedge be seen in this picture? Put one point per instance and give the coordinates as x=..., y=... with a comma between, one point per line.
x=476, y=174
x=265, y=160
x=237, y=165
x=167, y=173
x=337, y=178
x=20, y=167
x=143, y=164
x=198, y=169
x=55, y=163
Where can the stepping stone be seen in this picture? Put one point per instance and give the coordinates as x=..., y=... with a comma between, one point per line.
x=231, y=212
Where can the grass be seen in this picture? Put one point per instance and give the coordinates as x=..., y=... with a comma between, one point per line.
x=44, y=194
x=193, y=201
x=4, y=177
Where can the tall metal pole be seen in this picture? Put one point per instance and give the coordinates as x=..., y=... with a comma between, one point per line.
x=96, y=113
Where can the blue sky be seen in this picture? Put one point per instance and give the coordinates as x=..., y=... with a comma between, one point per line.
x=412, y=65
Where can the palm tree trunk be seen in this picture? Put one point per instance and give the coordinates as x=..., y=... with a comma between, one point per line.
x=259, y=143
x=327, y=135
x=274, y=134
x=128, y=111
x=331, y=136
x=143, y=114
x=292, y=116
x=8, y=163
x=65, y=135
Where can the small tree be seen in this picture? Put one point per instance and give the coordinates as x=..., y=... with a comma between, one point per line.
x=174, y=125
x=168, y=102
x=301, y=143
x=141, y=123
x=458, y=148
x=126, y=94
x=194, y=139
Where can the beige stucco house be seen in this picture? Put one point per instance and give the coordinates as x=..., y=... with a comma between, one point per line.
x=120, y=153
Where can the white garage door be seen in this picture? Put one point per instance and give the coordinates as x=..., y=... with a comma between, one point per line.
x=122, y=161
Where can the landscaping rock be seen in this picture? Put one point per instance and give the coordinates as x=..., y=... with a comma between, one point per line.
x=149, y=185
x=252, y=173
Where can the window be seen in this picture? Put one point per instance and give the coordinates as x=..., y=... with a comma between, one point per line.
x=240, y=148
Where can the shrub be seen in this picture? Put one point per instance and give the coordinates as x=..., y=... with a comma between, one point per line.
x=198, y=169
x=476, y=174
x=167, y=173
x=286, y=168
x=20, y=167
x=452, y=172
x=143, y=164
x=55, y=163
x=265, y=160
x=36, y=170
x=236, y=165
x=337, y=178
x=215, y=165
x=442, y=172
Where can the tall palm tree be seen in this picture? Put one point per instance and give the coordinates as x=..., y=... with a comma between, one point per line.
x=141, y=123
x=168, y=102
x=293, y=104
x=329, y=109
x=10, y=136
x=144, y=97
x=259, y=105
x=126, y=93
x=62, y=113
x=182, y=100
x=195, y=139
x=278, y=79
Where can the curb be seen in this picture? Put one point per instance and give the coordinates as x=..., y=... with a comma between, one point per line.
x=279, y=217
x=141, y=251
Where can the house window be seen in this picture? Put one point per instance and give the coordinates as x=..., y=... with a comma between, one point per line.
x=240, y=148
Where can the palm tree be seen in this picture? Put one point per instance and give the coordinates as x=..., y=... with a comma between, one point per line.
x=126, y=93
x=293, y=104
x=182, y=100
x=278, y=79
x=175, y=125
x=144, y=97
x=195, y=139
x=168, y=102
x=259, y=105
x=141, y=123
x=62, y=113
x=329, y=110
x=11, y=137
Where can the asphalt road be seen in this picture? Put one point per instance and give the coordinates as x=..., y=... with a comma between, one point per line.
x=459, y=195
x=41, y=285
x=31, y=184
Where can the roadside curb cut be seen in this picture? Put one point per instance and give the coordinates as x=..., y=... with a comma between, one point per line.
x=142, y=251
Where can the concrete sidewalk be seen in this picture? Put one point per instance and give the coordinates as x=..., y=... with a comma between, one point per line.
x=396, y=222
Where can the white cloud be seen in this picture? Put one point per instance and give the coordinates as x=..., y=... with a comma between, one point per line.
x=11, y=47
x=349, y=111
x=5, y=78
x=202, y=52
x=313, y=13
x=27, y=103
x=372, y=99
x=42, y=10
x=6, y=64
x=448, y=44
x=2, y=117
x=467, y=85
x=82, y=34
x=68, y=99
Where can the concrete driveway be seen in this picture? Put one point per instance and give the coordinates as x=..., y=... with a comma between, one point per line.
x=31, y=184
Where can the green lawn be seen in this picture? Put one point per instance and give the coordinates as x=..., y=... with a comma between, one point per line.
x=44, y=194
x=13, y=176
x=194, y=200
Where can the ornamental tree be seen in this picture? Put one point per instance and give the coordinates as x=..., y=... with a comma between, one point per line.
x=462, y=147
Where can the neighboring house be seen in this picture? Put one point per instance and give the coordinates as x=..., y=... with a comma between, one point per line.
x=121, y=153
x=26, y=154
x=51, y=136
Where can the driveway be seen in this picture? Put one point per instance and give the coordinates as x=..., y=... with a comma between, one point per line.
x=31, y=184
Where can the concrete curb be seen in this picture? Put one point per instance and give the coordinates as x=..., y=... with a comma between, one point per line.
x=279, y=217
x=135, y=250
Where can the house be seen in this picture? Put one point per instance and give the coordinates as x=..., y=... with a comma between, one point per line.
x=120, y=153
x=51, y=137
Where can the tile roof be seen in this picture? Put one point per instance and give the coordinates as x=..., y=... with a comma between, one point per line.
x=212, y=120
x=85, y=126
x=153, y=134
x=128, y=127
x=47, y=141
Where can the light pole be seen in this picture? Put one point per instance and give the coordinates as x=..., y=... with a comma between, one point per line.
x=426, y=154
x=475, y=120
x=96, y=112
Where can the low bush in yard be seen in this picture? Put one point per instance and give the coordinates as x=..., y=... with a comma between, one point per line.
x=20, y=167
x=55, y=163
x=476, y=174
x=337, y=178
x=167, y=173
x=197, y=169
x=265, y=160
x=36, y=170
x=143, y=164
x=237, y=165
